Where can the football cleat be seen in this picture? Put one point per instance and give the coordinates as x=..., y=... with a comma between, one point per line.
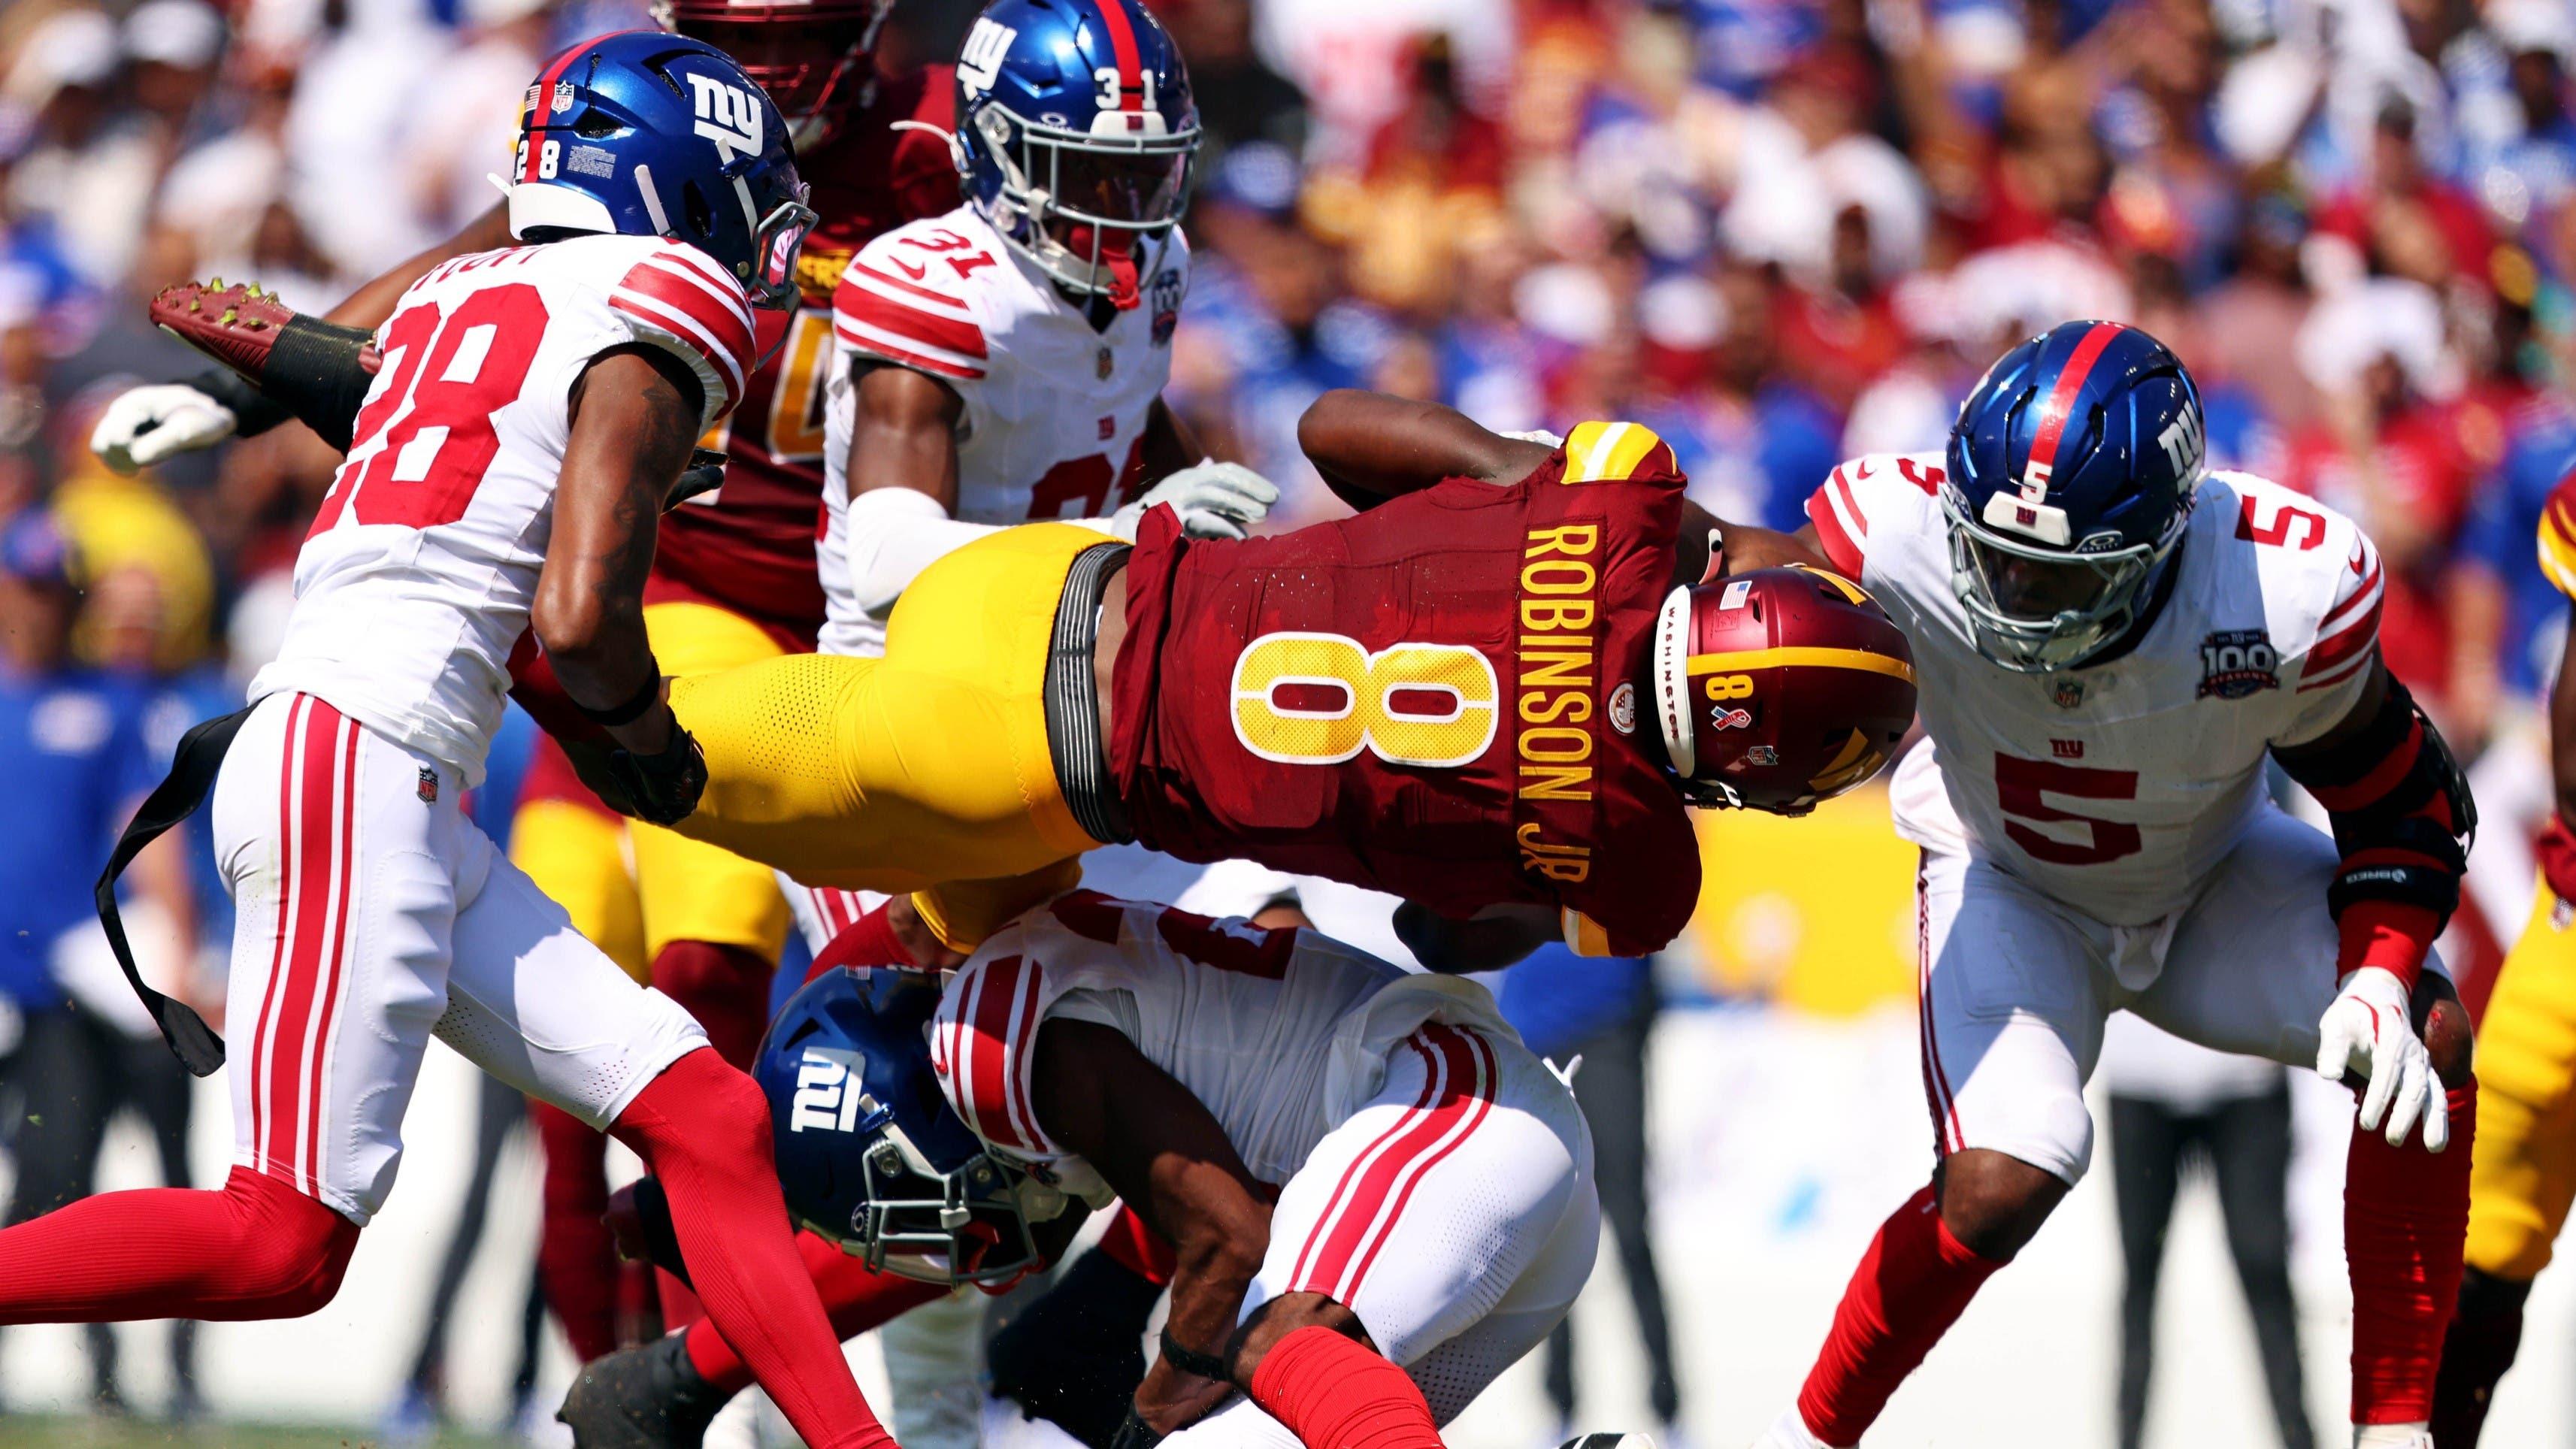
x=1609, y=1441
x=646, y=1397
x=317, y=370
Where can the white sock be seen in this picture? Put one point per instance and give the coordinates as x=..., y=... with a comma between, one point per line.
x=1789, y=1431
x=2418, y=1435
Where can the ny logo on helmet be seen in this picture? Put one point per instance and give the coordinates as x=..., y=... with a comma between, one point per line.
x=727, y=115
x=2182, y=441
x=987, y=45
x=827, y=1100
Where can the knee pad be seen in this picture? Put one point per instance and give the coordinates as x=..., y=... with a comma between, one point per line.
x=291, y=1251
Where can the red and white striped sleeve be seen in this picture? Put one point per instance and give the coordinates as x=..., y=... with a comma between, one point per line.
x=2348, y=635
x=982, y=1048
x=1877, y=487
x=680, y=300
x=878, y=312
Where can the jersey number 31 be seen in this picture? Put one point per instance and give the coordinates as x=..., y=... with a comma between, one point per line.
x=423, y=443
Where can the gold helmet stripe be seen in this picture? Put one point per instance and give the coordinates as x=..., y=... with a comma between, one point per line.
x=1745, y=659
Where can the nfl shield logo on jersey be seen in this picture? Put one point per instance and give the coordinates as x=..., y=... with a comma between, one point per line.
x=2235, y=663
x=427, y=789
x=2068, y=691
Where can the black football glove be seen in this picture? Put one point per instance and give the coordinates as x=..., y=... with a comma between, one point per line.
x=661, y=789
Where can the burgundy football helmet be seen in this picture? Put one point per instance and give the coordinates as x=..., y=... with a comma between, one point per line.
x=1778, y=688
x=812, y=57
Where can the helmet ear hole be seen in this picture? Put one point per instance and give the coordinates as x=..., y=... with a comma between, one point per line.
x=596, y=123
x=693, y=206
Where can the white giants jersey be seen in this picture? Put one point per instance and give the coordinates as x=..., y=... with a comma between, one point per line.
x=2116, y=787
x=1280, y=1034
x=412, y=590
x=1054, y=420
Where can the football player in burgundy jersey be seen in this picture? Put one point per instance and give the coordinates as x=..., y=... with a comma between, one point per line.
x=1492, y=693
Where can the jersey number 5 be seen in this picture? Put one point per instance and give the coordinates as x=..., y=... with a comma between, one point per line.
x=2023, y=785
x=1320, y=699
x=430, y=426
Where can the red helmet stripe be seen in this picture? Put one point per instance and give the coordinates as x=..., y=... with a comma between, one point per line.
x=1122, y=44
x=2061, y=398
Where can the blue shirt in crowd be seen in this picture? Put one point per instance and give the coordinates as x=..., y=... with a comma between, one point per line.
x=76, y=738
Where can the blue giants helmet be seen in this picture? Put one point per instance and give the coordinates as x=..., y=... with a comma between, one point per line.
x=1075, y=132
x=2072, y=471
x=869, y=1153
x=646, y=134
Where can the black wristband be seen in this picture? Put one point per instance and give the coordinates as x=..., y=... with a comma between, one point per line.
x=253, y=411
x=1191, y=1361
x=617, y=716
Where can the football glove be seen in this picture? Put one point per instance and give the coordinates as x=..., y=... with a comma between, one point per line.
x=2369, y=1028
x=144, y=425
x=1539, y=435
x=1214, y=500
x=661, y=789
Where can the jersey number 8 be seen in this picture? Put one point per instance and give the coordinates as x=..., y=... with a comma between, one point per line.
x=1347, y=701
x=448, y=377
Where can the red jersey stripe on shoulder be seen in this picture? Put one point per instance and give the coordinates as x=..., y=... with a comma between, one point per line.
x=984, y=1060
x=674, y=324
x=681, y=254
x=2368, y=591
x=876, y=311
x=868, y=341
x=1824, y=509
x=861, y=275
x=723, y=314
x=2334, y=659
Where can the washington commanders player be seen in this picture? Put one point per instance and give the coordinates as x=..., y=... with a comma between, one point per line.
x=1491, y=693
x=532, y=416
x=2522, y=1175
x=2112, y=642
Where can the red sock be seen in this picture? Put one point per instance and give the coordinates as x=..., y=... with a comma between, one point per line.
x=2405, y=1221
x=1912, y=1285
x=576, y=1255
x=703, y=1129
x=868, y=941
x=257, y=1249
x=1334, y=1394
x=854, y=1298
x=725, y=987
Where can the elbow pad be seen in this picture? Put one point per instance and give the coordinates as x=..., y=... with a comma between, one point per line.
x=2402, y=813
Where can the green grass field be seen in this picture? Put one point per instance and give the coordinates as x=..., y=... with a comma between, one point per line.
x=48, y=1433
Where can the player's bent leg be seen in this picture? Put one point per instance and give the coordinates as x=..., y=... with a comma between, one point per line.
x=2012, y=1010
x=257, y=1249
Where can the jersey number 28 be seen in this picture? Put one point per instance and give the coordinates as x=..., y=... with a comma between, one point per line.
x=432, y=422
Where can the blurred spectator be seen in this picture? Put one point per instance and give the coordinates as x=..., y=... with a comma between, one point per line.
x=1592, y=1018
x=2176, y=1107
x=81, y=1046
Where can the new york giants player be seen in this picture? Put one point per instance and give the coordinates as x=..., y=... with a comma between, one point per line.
x=533, y=414
x=1005, y=361
x=2110, y=645
x=1378, y=1198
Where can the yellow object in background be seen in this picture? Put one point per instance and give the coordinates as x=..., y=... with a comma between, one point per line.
x=1816, y=914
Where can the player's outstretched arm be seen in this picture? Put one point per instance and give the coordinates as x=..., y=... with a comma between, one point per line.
x=635, y=413
x=1160, y=1149
x=1747, y=548
x=1370, y=447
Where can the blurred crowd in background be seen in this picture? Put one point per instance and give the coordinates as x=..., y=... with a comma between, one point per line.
x=1780, y=232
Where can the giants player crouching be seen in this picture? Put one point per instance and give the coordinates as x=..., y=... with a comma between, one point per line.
x=532, y=417
x=2110, y=644
x=1434, y=1208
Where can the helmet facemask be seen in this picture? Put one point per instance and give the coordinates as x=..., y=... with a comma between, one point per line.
x=966, y=1225
x=2036, y=609
x=1085, y=205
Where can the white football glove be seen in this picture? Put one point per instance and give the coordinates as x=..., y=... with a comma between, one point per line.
x=2370, y=1029
x=1539, y=435
x=144, y=425
x=1214, y=500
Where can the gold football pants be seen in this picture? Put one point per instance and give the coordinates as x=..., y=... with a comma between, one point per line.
x=2522, y=1175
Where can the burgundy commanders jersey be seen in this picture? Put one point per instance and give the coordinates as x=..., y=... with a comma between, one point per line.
x=749, y=546
x=1437, y=698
